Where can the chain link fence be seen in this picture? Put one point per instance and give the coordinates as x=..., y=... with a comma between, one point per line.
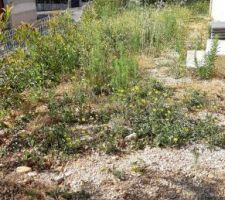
x=9, y=43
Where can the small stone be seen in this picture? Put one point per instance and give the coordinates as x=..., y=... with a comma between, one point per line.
x=42, y=109
x=31, y=174
x=23, y=169
x=131, y=137
x=2, y=133
x=210, y=176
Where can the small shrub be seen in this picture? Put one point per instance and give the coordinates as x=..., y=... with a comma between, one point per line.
x=120, y=174
x=196, y=100
x=124, y=72
x=207, y=71
x=56, y=138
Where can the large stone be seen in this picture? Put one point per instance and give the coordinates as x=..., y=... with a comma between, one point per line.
x=23, y=169
x=194, y=57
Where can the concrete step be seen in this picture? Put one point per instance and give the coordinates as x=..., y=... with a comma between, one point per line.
x=194, y=57
x=220, y=49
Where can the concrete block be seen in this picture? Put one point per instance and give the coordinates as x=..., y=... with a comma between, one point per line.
x=195, y=56
x=221, y=47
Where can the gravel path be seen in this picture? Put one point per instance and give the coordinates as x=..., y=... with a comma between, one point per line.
x=192, y=172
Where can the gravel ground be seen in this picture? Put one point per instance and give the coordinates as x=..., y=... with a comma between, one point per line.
x=192, y=172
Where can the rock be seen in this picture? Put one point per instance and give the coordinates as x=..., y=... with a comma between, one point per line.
x=2, y=133
x=23, y=169
x=42, y=109
x=211, y=176
x=131, y=137
x=31, y=174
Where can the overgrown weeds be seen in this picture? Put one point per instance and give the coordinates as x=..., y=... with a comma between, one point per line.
x=109, y=108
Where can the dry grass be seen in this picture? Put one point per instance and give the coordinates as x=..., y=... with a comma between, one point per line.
x=220, y=67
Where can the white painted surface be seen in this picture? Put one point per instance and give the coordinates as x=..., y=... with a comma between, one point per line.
x=221, y=46
x=218, y=10
x=195, y=56
x=218, y=15
x=23, y=7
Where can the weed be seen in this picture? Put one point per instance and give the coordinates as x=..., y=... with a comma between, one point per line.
x=120, y=174
x=56, y=138
x=67, y=194
x=207, y=71
x=138, y=166
x=196, y=100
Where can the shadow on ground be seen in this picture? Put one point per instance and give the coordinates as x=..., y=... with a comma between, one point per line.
x=151, y=185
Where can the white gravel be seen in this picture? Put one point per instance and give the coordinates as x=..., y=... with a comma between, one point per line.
x=197, y=163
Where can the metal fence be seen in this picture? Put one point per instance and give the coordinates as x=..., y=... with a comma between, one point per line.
x=48, y=5
x=9, y=43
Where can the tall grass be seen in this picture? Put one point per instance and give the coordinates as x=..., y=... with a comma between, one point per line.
x=102, y=47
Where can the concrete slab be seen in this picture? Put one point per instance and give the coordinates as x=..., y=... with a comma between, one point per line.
x=195, y=56
x=218, y=10
x=221, y=47
x=218, y=25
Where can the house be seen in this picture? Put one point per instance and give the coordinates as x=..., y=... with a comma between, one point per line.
x=27, y=10
x=23, y=10
x=49, y=5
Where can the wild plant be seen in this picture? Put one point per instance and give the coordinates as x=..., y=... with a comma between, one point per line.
x=207, y=71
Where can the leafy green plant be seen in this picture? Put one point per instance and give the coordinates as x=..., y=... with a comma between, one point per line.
x=138, y=166
x=208, y=69
x=56, y=138
x=196, y=100
x=120, y=174
x=124, y=72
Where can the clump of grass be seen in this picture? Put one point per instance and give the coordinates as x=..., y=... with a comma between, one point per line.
x=138, y=166
x=120, y=174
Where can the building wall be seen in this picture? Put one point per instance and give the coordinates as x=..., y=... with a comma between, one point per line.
x=23, y=10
